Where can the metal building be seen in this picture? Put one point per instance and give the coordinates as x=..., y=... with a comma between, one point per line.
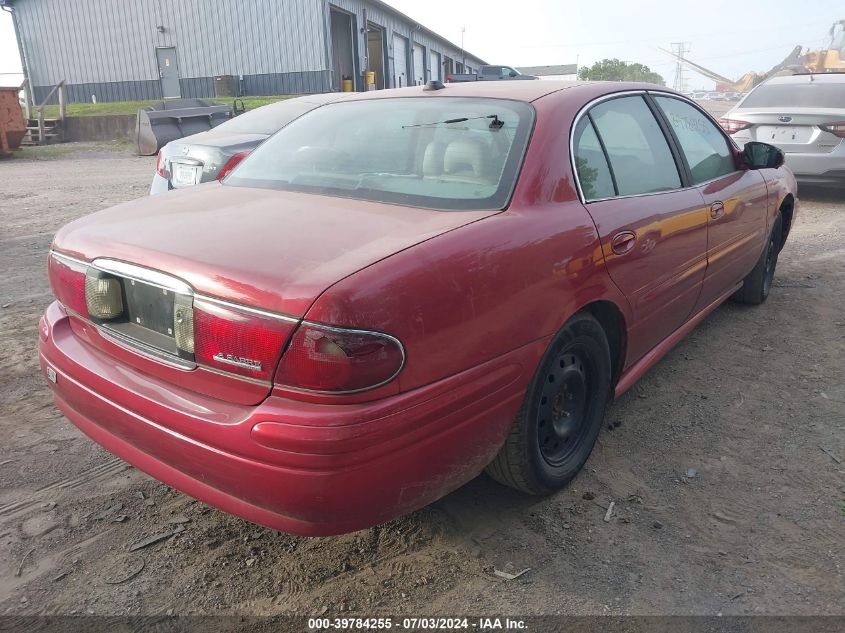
x=116, y=50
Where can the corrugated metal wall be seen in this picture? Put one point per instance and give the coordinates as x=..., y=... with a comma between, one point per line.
x=393, y=23
x=106, y=48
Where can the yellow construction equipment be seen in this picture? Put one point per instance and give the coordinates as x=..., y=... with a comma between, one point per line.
x=830, y=59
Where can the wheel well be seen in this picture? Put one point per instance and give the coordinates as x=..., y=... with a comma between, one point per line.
x=786, y=209
x=612, y=322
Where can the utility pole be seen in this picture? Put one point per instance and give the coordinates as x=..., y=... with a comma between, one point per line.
x=463, y=52
x=680, y=49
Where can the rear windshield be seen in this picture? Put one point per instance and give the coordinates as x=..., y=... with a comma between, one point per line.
x=436, y=152
x=266, y=119
x=812, y=94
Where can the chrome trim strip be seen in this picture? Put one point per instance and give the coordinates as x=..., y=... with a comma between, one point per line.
x=354, y=331
x=144, y=275
x=66, y=258
x=144, y=350
x=238, y=306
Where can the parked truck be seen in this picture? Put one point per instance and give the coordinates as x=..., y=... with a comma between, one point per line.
x=489, y=73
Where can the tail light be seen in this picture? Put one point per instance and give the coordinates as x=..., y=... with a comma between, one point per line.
x=232, y=163
x=242, y=340
x=336, y=360
x=237, y=340
x=160, y=165
x=67, y=278
x=732, y=126
x=837, y=129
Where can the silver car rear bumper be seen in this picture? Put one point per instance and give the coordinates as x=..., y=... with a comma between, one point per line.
x=819, y=168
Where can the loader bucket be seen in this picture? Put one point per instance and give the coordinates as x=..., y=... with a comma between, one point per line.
x=168, y=120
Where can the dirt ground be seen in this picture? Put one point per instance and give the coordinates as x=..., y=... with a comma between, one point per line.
x=727, y=471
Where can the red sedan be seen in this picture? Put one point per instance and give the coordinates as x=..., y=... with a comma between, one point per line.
x=403, y=288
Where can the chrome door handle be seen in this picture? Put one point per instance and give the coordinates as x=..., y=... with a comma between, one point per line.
x=623, y=242
x=717, y=210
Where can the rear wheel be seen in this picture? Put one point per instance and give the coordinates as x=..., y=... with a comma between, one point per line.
x=756, y=286
x=562, y=414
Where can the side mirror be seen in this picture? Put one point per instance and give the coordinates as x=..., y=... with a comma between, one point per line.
x=759, y=155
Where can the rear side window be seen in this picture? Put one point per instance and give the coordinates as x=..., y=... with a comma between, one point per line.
x=267, y=119
x=638, y=152
x=707, y=151
x=811, y=94
x=591, y=163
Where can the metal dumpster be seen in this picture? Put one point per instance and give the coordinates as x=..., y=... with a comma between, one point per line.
x=12, y=124
x=168, y=120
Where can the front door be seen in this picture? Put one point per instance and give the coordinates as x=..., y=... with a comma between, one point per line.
x=736, y=199
x=653, y=231
x=168, y=71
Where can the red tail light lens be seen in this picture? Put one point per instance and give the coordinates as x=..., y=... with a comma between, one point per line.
x=732, y=126
x=336, y=360
x=232, y=163
x=837, y=129
x=160, y=165
x=67, y=279
x=238, y=340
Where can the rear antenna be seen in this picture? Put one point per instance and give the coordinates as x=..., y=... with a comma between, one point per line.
x=434, y=84
x=496, y=123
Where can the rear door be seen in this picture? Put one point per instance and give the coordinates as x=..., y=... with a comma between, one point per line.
x=736, y=199
x=168, y=71
x=653, y=230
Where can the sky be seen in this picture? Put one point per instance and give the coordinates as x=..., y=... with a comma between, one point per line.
x=730, y=38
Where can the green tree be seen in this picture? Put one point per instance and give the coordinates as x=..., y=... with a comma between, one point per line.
x=617, y=70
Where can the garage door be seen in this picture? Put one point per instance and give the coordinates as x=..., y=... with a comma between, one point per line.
x=435, y=66
x=419, y=65
x=400, y=61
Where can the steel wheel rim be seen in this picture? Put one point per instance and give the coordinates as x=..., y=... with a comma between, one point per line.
x=770, y=266
x=563, y=411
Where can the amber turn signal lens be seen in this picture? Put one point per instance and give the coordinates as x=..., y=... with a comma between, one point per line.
x=103, y=296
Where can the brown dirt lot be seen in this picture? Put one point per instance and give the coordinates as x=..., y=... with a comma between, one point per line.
x=753, y=401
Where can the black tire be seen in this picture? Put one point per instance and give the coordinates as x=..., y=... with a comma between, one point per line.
x=756, y=286
x=561, y=416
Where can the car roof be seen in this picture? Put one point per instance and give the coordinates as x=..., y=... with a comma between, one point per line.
x=802, y=78
x=516, y=90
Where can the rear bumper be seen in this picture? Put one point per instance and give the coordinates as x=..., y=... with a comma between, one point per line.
x=159, y=185
x=818, y=168
x=292, y=466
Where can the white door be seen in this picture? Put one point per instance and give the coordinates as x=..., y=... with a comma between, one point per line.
x=435, y=66
x=419, y=65
x=400, y=61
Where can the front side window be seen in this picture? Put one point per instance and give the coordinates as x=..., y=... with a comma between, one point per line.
x=707, y=151
x=436, y=152
x=639, y=154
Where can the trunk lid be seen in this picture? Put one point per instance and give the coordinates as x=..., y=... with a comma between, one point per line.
x=199, y=158
x=793, y=130
x=268, y=250
x=272, y=250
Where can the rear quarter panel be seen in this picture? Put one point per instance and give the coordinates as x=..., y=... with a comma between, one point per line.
x=492, y=286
